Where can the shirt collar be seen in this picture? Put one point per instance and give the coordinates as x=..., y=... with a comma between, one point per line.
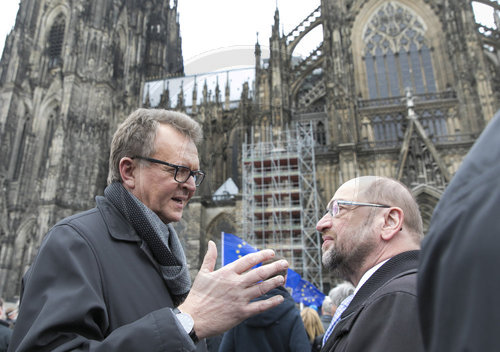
x=368, y=274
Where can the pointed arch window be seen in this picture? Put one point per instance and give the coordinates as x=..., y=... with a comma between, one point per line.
x=397, y=54
x=20, y=153
x=56, y=39
x=321, y=133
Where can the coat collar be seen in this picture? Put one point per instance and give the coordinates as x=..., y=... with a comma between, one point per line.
x=398, y=264
x=118, y=227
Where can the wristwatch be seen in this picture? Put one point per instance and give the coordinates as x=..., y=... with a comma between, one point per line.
x=187, y=323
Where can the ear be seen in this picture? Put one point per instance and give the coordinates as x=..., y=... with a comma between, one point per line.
x=393, y=223
x=127, y=169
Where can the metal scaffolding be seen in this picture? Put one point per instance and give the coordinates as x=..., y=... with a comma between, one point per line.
x=280, y=199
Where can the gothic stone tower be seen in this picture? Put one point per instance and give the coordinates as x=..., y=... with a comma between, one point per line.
x=396, y=88
x=70, y=72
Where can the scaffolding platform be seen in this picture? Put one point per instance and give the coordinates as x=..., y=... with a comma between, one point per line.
x=280, y=198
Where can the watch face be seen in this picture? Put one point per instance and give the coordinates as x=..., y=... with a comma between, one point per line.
x=186, y=321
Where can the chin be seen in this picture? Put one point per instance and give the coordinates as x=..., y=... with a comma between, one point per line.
x=166, y=219
x=176, y=217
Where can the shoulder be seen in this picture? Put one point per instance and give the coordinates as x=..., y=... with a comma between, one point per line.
x=405, y=282
x=395, y=296
x=78, y=221
x=91, y=223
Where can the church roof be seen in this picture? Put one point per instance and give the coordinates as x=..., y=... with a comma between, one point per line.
x=226, y=191
x=236, y=78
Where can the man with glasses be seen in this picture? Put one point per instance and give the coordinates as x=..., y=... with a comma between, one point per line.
x=115, y=278
x=371, y=237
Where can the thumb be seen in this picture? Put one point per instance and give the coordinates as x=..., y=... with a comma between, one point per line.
x=210, y=258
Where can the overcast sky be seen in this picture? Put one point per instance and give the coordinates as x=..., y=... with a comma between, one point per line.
x=228, y=26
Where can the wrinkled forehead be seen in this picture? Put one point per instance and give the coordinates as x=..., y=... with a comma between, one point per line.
x=353, y=189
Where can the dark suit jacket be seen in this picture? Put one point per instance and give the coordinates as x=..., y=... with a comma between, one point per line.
x=383, y=314
x=458, y=283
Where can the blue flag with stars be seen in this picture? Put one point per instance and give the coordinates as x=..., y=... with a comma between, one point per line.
x=234, y=248
x=308, y=294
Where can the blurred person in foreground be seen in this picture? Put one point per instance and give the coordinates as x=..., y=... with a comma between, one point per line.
x=372, y=231
x=115, y=278
x=279, y=329
x=458, y=281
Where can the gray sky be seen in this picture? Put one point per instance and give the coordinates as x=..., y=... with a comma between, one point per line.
x=229, y=27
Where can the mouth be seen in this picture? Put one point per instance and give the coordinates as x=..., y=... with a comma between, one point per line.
x=327, y=240
x=178, y=200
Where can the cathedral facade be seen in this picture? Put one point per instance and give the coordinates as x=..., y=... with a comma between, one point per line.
x=70, y=72
x=395, y=88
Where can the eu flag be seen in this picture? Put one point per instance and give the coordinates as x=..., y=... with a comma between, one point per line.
x=292, y=279
x=308, y=294
x=234, y=248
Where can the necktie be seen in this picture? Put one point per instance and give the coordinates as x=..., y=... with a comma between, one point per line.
x=336, y=317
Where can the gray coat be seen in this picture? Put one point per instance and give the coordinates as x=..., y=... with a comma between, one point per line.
x=94, y=286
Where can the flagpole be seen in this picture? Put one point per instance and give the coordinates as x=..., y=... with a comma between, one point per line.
x=222, y=248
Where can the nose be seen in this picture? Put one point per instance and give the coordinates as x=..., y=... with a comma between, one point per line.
x=324, y=223
x=190, y=184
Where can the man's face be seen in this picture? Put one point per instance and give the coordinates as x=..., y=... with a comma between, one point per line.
x=348, y=237
x=154, y=183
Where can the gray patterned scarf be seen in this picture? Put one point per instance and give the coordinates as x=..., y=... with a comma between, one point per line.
x=161, y=239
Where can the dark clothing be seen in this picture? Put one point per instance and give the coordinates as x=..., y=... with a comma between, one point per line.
x=5, y=335
x=326, y=320
x=383, y=314
x=317, y=343
x=275, y=330
x=213, y=343
x=95, y=286
x=458, y=283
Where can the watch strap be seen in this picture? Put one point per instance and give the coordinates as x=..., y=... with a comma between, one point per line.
x=193, y=336
x=192, y=333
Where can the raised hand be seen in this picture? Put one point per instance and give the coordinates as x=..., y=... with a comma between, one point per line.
x=220, y=299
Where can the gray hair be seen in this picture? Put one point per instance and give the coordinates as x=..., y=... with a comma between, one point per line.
x=327, y=305
x=136, y=135
x=340, y=292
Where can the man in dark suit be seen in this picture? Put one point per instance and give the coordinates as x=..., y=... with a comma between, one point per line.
x=372, y=232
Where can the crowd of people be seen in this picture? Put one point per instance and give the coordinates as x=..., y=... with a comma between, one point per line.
x=115, y=278
x=8, y=318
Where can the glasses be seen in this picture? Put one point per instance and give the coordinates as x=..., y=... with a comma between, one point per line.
x=334, y=207
x=181, y=174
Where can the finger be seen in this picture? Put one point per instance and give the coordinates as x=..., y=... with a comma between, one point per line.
x=261, y=306
x=263, y=272
x=263, y=287
x=210, y=258
x=250, y=260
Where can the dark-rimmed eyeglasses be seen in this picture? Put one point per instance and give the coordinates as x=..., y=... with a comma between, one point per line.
x=181, y=174
x=334, y=207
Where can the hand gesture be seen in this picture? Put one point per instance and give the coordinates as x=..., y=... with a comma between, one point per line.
x=221, y=299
